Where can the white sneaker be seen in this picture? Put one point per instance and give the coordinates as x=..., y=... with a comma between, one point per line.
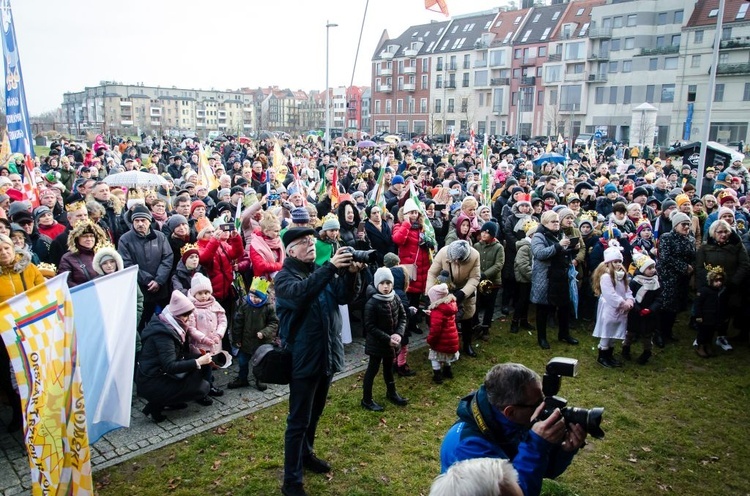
x=722, y=342
x=695, y=343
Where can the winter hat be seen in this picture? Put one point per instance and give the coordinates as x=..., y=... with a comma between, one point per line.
x=724, y=210
x=640, y=191
x=187, y=250
x=391, y=260
x=681, y=199
x=300, y=216
x=176, y=220
x=438, y=292
x=39, y=211
x=668, y=203
x=612, y=254
x=611, y=234
x=199, y=282
x=721, y=176
x=141, y=212
x=565, y=212
x=722, y=199
x=18, y=207
x=678, y=218
x=196, y=204
x=410, y=206
x=101, y=255
x=642, y=261
x=458, y=251
x=179, y=304
x=397, y=180
x=610, y=188
x=444, y=277
x=381, y=275
x=330, y=222
x=642, y=224
x=491, y=228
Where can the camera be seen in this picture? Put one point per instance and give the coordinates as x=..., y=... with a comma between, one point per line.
x=362, y=256
x=590, y=419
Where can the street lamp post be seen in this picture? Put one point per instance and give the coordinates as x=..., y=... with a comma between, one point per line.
x=328, y=92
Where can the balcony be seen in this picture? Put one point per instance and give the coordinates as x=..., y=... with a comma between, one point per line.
x=222, y=114
x=572, y=77
x=478, y=64
x=598, y=57
x=247, y=126
x=597, y=78
x=410, y=52
x=200, y=114
x=410, y=87
x=552, y=82
x=125, y=104
x=660, y=50
x=451, y=85
x=500, y=82
x=600, y=33
x=386, y=72
x=735, y=43
x=570, y=107
x=527, y=61
x=385, y=88
x=200, y=124
x=156, y=123
x=554, y=57
x=155, y=112
x=497, y=109
x=528, y=81
x=732, y=69
x=385, y=55
x=126, y=122
x=451, y=67
x=410, y=69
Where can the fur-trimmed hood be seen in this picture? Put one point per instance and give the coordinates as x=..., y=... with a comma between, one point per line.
x=85, y=227
x=439, y=302
x=101, y=253
x=22, y=260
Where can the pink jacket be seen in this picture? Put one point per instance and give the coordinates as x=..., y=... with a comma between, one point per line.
x=206, y=326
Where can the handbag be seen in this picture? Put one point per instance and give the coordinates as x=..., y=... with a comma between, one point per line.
x=272, y=364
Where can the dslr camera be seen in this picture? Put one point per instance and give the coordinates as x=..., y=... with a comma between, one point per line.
x=589, y=419
x=362, y=256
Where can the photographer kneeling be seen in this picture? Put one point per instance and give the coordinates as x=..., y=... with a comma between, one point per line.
x=500, y=420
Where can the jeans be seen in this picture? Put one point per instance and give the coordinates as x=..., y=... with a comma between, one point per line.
x=243, y=359
x=307, y=398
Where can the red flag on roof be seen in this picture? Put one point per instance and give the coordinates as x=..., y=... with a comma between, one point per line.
x=440, y=4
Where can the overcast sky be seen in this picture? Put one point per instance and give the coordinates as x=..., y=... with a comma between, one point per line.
x=222, y=44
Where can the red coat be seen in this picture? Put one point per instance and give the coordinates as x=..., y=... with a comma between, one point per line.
x=409, y=251
x=218, y=258
x=443, y=336
x=262, y=266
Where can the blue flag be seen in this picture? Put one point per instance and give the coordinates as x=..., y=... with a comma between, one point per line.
x=19, y=126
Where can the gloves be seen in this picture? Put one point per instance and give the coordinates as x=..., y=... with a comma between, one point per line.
x=645, y=312
x=482, y=276
x=460, y=296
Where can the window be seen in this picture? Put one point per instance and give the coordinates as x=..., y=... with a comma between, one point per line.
x=629, y=43
x=599, y=95
x=556, y=15
x=632, y=20
x=584, y=28
x=400, y=84
x=661, y=18
x=615, y=45
x=553, y=97
x=451, y=105
x=575, y=51
x=464, y=105
x=389, y=106
x=424, y=82
x=676, y=40
x=481, y=99
x=545, y=34
x=746, y=94
x=613, y=95
x=650, y=93
x=553, y=74
x=439, y=81
x=695, y=61
x=399, y=106
x=579, y=12
x=617, y=22
x=723, y=58
x=480, y=78
x=667, y=93
x=425, y=64
x=377, y=106
x=438, y=105
x=516, y=73
x=627, y=66
x=542, y=51
x=540, y=98
x=670, y=63
x=698, y=37
x=465, y=81
x=517, y=20
x=612, y=67
x=627, y=95
x=743, y=10
x=660, y=40
x=536, y=18
x=517, y=53
x=713, y=13
x=653, y=64
x=719, y=92
x=526, y=36
x=726, y=33
x=678, y=15
x=467, y=61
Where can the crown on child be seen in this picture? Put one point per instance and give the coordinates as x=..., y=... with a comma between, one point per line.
x=641, y=260
x=188, y=247
x=259, y=285
x=715, y=270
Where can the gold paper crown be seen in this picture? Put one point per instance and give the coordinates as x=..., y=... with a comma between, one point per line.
x=135, y=194
x=713, y=272
x=189, y=246
x=259, y=285
x=48, y=270
x=72, y=207
x=104, y=244
x=641, y=260
x=529, y=225
x=586, y=216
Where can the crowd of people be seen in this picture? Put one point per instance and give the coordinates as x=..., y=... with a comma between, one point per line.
x=244, y=235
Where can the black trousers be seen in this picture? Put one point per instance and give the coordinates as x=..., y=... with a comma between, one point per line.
x=307, y=399
x=523, y=294
x=563, y=320
x=373, y=366
x=486, y=304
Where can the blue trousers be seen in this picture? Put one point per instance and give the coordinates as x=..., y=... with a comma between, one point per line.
x=307, y=398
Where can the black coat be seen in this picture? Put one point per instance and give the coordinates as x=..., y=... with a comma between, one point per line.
x=676, y=253
x=380, y=239
x=382, y=319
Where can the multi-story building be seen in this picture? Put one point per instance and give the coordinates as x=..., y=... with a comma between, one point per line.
x=366, y=118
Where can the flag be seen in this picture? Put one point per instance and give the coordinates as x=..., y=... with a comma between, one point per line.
x=39, y=333
x=30, y=188
x=429, y=231
x=206, y=176
x=238, y=216
x=486, y=171
x=302, y=190
x=549, y=146
x=335, y=188
x=440, y=4
x=560, y=139
x=379, y=198
x=279, y=162
x=452, y=144
x=106, y=347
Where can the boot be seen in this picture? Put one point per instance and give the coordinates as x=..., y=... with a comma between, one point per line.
x=658, y=339
x=393, y=395
x=483, y=332
x=437, y=376
x=612, y=359
x=626, y=352
x=466, y=337
x=542, y=340
x=405, y=371
x=526, y=326
x=701, y=351
x=514, y=327
x=260, y=386
x=602, y=359
x=154, y=411
x=371, y=405
x=447, y=372
x=643, y=359
x=238, y=383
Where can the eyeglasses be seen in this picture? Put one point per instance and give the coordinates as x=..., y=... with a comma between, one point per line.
x=536, y=405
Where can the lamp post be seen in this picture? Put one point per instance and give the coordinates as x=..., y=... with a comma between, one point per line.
x=328, y=92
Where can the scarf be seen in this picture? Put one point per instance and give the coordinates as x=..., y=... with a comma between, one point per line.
x=619, y=222
x=382, y=297
x=169, y=319
x=161, y=217
x=647, y=284
x=269, y=249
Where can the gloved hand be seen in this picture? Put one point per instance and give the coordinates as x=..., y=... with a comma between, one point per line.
x=644, y=312
x=482, y=276
x=416, y=225
x=460, y=296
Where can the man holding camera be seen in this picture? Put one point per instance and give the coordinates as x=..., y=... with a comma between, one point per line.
x=502, y=420
x=307, y=304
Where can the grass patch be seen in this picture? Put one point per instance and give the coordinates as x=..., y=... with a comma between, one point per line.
x=672, y=425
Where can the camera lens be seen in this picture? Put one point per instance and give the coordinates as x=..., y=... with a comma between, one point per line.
x=590, y=419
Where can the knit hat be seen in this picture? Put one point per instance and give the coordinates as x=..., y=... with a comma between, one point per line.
x=681, y=199
x=187, y=250
x=640, y=191
x=491, y=228
x=438, y=292
x=668, y=203
x=410, y=206
x=391, y=260
x=330, y=221
x=237, y=189
x=300, y=216
x=140, y=212
x=721, y=176
x=179, y=304
x=176, y=220
x=678, y=217
x=612, y=254
x=642, y=261
x=39, y=211
x=444, y=277
x=381, y=275
x=199, y=282
x=549, y=194
x=722, y=199
x=724, y=210
x=223, y=192
x=610, y=188
x=17, y=207
x=458, y=251
x=196, y=204
x=397, y=180
x=642, y=224
x=565, y=212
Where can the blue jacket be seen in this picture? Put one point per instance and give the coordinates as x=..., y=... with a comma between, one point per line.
x=308, y=299
x=532, y=456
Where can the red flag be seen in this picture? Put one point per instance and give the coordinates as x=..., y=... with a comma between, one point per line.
x=440, y=4
x=30, y=188
x=335, y=188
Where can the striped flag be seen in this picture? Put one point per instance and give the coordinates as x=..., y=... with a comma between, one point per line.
x=379, y=198
x=429, y=231
x=486, y=171
x=30, y=187
x=335, y=188
x=39, y=333
x=440, y=4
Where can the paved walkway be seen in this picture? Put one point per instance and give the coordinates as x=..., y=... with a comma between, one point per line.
x=144, y=435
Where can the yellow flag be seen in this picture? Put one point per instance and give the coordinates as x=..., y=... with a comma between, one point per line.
x=206, y=176
x=279, y=162
x=549, y=146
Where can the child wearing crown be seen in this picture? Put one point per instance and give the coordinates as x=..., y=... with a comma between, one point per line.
x=255, y=324
x=187, y=267
x=644, y=316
